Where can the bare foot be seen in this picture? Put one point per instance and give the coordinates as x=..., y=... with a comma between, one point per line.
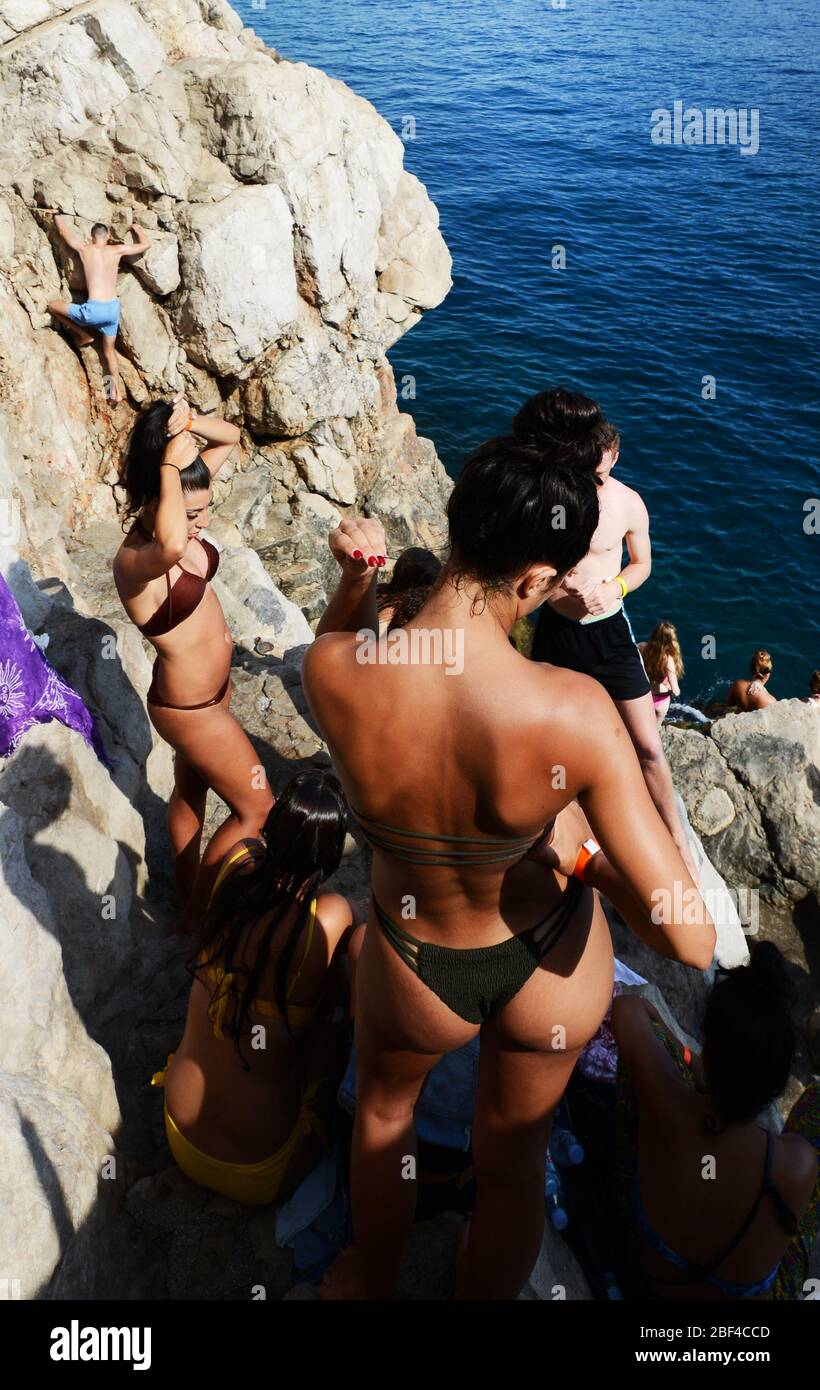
x=85, y=340
x=344, y=1279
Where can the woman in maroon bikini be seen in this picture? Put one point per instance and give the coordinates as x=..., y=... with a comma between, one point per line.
x=162, y=572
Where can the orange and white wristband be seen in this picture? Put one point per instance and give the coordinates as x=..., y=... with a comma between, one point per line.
x=585, y=853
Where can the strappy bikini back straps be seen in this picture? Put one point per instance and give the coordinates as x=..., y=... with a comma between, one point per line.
x=692, y=1270
x=514, y=848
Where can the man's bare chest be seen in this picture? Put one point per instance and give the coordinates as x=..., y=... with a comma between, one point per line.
x=610, y=531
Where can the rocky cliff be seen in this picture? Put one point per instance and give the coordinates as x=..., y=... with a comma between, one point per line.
x=290, y=250
x=751, y=787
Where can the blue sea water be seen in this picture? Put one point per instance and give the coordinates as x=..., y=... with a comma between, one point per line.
x=532, y=130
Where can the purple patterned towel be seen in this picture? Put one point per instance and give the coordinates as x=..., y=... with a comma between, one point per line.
x=31, y=692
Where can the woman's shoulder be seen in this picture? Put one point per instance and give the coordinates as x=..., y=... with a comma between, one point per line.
x=798, y=1170
x=333, y=908
x=249, y=847
x=325, y=658
x=334, y=913
x=241, y=858
x=129, y=545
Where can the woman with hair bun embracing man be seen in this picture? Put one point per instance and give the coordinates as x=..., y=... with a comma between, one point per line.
x=482, y=917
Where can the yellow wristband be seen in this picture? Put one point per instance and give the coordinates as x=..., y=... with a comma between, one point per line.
x=624, y=590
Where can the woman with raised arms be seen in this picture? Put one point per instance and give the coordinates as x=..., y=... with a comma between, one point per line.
x=162, y=571
x=457, y=782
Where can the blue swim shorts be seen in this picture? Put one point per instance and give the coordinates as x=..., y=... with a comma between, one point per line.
x=102, y=314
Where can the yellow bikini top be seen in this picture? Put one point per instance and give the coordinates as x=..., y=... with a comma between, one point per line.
x=298, y=1014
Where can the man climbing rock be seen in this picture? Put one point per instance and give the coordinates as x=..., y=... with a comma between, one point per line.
x=101, y=312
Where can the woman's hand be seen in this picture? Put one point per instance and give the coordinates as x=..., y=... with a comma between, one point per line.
x=181, y=450
x=181, y=415
x=560, y=850
x=602, y=596
x=358, y=545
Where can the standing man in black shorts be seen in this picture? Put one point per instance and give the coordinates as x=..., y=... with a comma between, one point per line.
x=583, y=625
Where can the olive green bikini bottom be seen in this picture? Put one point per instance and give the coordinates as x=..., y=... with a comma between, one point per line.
x=477, y=982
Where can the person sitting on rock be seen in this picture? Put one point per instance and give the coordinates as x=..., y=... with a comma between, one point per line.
x=101, y=311
x=712, y=1206
x=250, y=1120
x=752, y=693
x=813, y=697
x=414, y=573
x=162, y=572
x=456, y=784
x=663, y=662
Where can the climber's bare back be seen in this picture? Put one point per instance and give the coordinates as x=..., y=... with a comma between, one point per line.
x=101, y=265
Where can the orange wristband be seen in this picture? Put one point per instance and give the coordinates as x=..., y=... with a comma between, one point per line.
x=585, y=853
x=190, y=422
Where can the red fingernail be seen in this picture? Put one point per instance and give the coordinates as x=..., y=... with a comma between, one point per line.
x=357, y=555
x=371, y=560
x=381, y=561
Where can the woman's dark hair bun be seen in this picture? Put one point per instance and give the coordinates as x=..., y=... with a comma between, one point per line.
x=557, y=412
x=748, y=1035
x=565, y=424
x=529, y=497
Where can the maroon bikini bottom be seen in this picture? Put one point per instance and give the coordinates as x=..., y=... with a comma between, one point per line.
x=153, y=698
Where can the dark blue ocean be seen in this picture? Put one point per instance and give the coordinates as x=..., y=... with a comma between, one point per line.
x=682, y=262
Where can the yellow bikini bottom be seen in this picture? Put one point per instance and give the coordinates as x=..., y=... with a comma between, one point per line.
x=254, y=1184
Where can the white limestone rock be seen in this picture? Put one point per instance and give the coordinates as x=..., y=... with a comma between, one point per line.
x=52, y=1153
x=238, y=279
x=253, y=605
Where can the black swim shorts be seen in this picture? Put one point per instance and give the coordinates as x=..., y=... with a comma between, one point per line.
x=605, y=650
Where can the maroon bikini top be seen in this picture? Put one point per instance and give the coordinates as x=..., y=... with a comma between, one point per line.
x=183, y=596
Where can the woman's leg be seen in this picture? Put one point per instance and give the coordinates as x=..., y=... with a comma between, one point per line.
x=222, y=755
x=186, y=818
x=354, y=950
x=517, y=1095
x=402, y=1030
x=528, y=1051
x=384, y=1157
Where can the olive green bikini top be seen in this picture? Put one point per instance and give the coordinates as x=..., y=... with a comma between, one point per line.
x=515, y=847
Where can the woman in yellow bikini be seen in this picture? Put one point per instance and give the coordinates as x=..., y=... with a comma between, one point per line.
x=248, y=1089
